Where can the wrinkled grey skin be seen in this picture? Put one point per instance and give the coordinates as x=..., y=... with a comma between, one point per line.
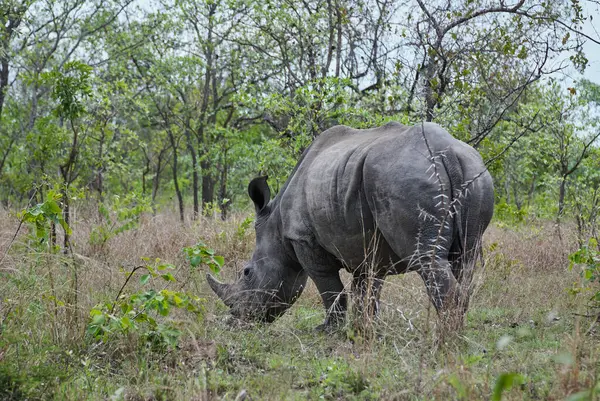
x=366, y=199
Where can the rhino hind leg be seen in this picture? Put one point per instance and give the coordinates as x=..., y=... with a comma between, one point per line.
x=366, y=289
x=462, y=261
x=434, y=266
x=441, y=284
x=445, y=293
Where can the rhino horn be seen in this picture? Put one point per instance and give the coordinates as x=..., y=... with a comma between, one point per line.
x=222, y=290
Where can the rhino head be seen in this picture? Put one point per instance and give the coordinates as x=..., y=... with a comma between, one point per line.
x=272, y=280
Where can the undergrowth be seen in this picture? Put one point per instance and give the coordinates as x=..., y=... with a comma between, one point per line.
x=163, y=335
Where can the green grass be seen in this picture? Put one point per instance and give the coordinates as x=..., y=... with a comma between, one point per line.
x=521, y=321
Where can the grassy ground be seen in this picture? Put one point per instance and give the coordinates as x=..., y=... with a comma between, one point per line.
x=522, y=320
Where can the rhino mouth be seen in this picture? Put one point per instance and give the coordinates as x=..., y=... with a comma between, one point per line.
x=260, y=316
x=249, y=305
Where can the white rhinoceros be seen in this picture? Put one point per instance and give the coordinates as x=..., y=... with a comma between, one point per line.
x=375, y=202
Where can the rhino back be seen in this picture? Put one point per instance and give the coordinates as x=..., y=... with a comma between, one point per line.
x=351, y=183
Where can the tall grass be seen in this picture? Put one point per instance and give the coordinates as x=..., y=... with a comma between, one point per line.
x=520, y=321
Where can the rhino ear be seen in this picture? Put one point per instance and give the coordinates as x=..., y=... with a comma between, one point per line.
x=259, y=192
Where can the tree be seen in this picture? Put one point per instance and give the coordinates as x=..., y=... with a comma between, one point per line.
x=477, y=58
x=37, y=37
x=210, y=93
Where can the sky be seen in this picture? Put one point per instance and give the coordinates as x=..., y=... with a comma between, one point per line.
x=591, y=49
x=591, y=28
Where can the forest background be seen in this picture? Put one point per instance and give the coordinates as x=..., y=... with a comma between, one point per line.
x=187, y=101
x=114, y=113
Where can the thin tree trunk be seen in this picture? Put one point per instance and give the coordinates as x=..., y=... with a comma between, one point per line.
x=338, y=49
x=331, y=41
x=34, y=107
x=156, y=181
x=144, y=173
x=195, y=182
x=518, y=202
x=430, y=101
x=67, y=174
x=52, y=235
x=67, y=216
x=11, y=24
x=561, y=196
x=208, y=180
x=6, y=153
x=100, y=171
x=507, y=189
x=531, y=191
x=175, y=176
x=66, y=171
x=223, y=189
x=208, y=184
x=209, y=79
x=3, y=79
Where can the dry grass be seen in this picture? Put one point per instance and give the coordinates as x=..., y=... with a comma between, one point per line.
x=520, y=296
x=537, y=245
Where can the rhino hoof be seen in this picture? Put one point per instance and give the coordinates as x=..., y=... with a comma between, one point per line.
x=327, y=328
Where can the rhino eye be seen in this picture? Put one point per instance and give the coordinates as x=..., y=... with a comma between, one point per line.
x=247, y=272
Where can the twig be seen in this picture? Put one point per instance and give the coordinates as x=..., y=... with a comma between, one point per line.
x=5, y=317
x=585, y=315
x=124, y=284
x=11, y=241
x=302, y=348
x=18, y=229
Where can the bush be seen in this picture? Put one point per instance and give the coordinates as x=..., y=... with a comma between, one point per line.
x=588, y=257
x=139, y=313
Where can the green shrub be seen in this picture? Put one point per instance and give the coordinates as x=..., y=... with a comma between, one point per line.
x=588, y=257
x=119, y=215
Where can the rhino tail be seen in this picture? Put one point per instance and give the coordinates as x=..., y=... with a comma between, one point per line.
x=454, y=170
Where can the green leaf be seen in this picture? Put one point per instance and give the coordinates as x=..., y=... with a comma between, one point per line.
x=460, y=388
x=214, y=267
x=98, y=319
x=195, y=261
x=168, y=277
x=125, y=323
x=144, y=279
x=581, y=396
x=506, y=381
x=51, y=207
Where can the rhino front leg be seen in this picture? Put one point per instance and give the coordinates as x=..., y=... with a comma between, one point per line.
x=323, y=269
x=334, y=299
